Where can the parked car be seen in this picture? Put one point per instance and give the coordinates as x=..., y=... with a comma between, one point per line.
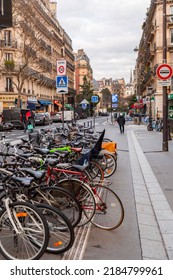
x=103, y=114
x=57, y=117
x=41, y=119
x=15, y=117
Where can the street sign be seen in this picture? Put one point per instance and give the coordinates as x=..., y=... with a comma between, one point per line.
x=62, y=84
x=94, y=99
x=84, y=106
x=115, y=105
x=164, y=71
x=114, y=98
x=164, y=83
x=61, y=67
x=5, y=14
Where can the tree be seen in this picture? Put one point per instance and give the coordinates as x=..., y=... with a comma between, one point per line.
x=106, y=97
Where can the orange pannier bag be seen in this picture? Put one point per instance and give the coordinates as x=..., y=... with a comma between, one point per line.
x=109, y=146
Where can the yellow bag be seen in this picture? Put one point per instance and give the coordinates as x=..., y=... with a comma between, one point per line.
x=109, y=146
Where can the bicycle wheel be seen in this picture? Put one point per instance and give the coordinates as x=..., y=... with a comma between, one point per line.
x=109, y=212
x=84, y=195
x=31, y=228
x=110, y=164
x=61, y=232
x=95, y=171
x=62, y=199
x=107, y=140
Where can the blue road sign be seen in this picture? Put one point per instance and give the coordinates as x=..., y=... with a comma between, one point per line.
x=84, y=106
x=114, y=98
x=94, y=99
x=61, y=82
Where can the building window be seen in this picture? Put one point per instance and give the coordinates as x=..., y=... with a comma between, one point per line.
x=7, y=37
x=8, y=56
x=171, y=31
x=171, y=13
x=9, y=84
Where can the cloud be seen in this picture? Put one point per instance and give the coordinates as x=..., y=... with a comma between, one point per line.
x=107, y=30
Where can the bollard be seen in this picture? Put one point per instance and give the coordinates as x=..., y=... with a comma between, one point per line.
x=84, y=124
x=91, y=124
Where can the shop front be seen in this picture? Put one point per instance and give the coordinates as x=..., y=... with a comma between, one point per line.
x=45, y=105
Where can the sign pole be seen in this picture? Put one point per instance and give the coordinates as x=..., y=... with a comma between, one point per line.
x=165, y=97
x=63, y=111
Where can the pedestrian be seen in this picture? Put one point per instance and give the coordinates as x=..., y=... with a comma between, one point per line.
x=27, y=119
x=121, y=122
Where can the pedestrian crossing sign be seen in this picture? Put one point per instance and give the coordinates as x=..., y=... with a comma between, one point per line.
x=62, y=84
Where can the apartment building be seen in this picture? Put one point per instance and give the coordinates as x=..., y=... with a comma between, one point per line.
x=28, y=57
x=82, y=69
x=150, y=56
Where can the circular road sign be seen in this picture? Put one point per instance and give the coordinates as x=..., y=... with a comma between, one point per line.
x=61, y=69
x=164, y=71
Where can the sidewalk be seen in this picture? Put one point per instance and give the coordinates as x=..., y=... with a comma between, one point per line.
x=152, y=182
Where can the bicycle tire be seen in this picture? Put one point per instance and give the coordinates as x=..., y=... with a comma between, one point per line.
x=149, y=127
x=29, y=217
x=107, y=140
x=84, y=195
x=61, y=232
x=110, y=165
x=109, y=212
x=63, y=200
x=95, y=171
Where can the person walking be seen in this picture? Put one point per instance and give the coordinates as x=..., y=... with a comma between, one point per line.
x=121, y=122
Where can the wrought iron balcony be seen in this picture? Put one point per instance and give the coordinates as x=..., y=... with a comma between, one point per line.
x=8, y=44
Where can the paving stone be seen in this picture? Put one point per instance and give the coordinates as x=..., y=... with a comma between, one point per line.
x=147, y=209
x=164, y=214
x=168, y=240
x=150, y=232
x=153, y=249
x=142, y=200
x=166, y=226
x=146, y=219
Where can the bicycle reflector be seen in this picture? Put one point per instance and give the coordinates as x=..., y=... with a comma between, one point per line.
x=57, y=244
x=21, y=214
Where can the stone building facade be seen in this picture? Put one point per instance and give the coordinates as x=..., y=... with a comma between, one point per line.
x=150, y=56
x=28, y=57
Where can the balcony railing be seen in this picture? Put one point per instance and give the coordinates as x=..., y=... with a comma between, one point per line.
x=8, y=44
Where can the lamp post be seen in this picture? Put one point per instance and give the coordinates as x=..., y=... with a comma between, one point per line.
x=165, y=97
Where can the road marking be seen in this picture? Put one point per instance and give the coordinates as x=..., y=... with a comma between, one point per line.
x=81, y=239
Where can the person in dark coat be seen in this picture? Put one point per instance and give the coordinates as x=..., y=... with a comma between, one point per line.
x=121, y=122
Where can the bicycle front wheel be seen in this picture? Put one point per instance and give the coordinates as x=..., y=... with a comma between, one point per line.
x=21, y=242
x=61, y=232
x=109, y=212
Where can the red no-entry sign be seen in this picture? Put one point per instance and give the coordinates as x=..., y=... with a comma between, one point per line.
x=164, y=71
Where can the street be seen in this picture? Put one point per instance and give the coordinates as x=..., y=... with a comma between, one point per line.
x=143, y=183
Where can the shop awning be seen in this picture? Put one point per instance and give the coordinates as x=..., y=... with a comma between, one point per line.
x=57, y=103
x=68, y=106
x=45, y=102
x=137, y=105
x=32, y=105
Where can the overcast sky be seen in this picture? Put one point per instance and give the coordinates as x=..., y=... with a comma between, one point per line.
x=107, y=30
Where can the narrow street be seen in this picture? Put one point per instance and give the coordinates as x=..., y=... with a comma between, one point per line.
x=124, y=243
